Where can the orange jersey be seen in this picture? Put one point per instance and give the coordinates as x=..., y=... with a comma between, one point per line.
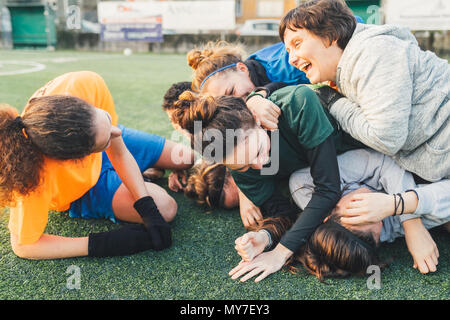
x=62, y=181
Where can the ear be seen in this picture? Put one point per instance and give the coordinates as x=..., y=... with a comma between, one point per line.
x=242, y=67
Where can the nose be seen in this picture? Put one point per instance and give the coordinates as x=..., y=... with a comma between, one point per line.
x=292, y=58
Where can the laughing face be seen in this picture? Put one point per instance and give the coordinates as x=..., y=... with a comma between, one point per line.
x=312, y=55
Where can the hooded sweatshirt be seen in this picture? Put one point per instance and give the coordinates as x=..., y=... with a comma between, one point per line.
x=396, y=99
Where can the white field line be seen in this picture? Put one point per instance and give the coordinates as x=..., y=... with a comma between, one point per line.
x=30, y=67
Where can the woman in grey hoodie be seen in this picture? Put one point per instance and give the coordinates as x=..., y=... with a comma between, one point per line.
x=396, y=96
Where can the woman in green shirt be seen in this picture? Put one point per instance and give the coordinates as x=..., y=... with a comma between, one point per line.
x=258, y=160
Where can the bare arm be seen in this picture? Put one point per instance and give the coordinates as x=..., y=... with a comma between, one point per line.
x=127, y=168
x=249, y=212
x=51, y=247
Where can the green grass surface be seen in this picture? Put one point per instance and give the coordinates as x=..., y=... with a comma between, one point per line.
x=196, y=266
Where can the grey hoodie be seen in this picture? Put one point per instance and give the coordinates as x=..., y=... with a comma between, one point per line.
x=396, y=99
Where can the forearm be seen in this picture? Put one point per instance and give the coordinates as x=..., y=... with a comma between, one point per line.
x=373, y=131
x=51, y=247
x=411, y=225
x=432, y=201
x=313, y=215
x=126, y=167
x=243, y=199
x=327, y=192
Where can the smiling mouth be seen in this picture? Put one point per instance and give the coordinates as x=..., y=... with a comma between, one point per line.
x=305, y=67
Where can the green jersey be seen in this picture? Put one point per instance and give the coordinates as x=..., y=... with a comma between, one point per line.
x=303, y=124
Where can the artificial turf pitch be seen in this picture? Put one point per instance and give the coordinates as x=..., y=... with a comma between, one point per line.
x=197, y=264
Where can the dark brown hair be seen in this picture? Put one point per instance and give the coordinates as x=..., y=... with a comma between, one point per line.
x=173, y=93
x=206, y=184
x=59, y=127
x=331, y=20
x=215, y=113
x=329, y=252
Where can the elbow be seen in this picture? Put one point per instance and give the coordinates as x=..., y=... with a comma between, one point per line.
x=385, y=141
x=389, y=148
x=23, y=251
x=333, y=195
x=334, y=198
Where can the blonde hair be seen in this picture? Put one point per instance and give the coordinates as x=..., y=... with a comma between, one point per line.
x=213, y=56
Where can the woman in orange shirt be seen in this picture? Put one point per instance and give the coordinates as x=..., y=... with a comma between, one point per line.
x=52, y=159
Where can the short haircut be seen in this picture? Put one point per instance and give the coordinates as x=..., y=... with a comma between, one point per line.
x=331, y=20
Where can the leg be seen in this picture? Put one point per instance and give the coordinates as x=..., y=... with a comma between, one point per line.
x=175, y=156
x=357, y=168
x=122, y=203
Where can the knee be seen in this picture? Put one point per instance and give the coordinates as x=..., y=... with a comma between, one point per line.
x=168, y=207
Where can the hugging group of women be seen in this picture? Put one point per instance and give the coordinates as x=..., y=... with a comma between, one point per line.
x=356, y=117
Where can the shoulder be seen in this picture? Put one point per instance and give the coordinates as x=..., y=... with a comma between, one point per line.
x=385, y=49
x=295, y=99
x=86, y=79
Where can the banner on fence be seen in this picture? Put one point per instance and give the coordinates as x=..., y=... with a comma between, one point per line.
x=418, y=14
x=145, y=21
x=130, y=21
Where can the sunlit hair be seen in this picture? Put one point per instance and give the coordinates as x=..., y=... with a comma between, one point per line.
x=173, y=93
x=215, y=114
x=213, y=56
x=330, y=252
x=206, y=184
x=58, y=127
x=331, y=20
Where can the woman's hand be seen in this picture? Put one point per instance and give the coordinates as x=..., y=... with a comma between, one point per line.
x=251, y=244
x=264, y=264
x=174, y=180
x=366, y=208
x=265, y=111
x=421, y=245
x=250, y=213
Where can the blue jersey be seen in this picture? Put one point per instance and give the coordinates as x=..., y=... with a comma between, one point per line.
x=275, y=59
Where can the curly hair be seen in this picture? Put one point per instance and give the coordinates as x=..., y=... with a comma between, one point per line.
x=172, y=94
x=58, y=127
x=206, y=184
